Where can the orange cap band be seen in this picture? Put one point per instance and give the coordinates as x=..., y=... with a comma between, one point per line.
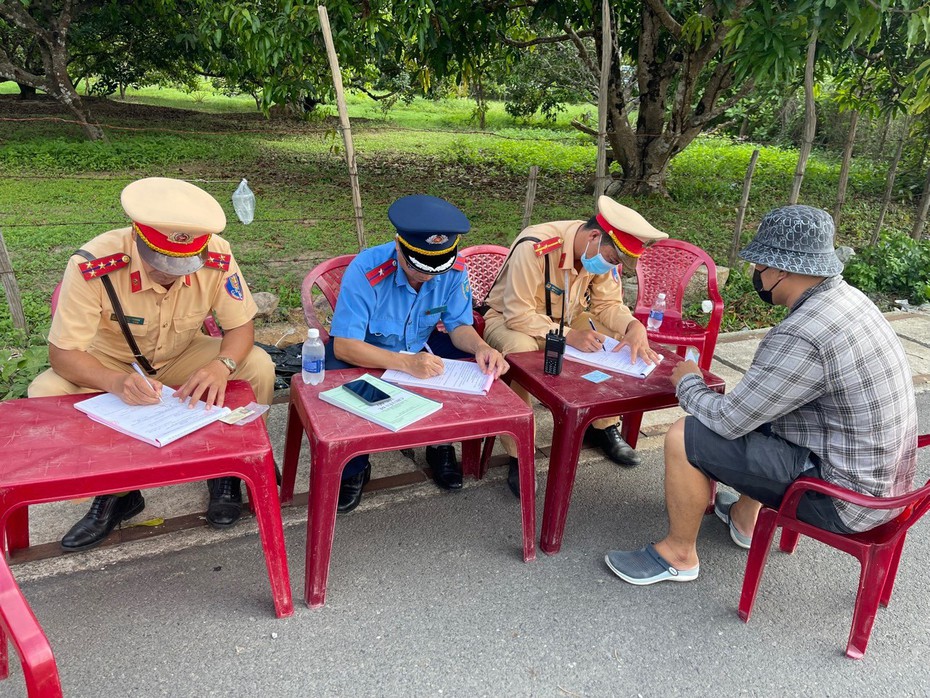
x=628, y=244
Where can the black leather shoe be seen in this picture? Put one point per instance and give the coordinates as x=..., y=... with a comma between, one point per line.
x=225, y=505
x=350, y=492
x=614, y=447
x=105, y=513
x=446, y=471
x=513, y=477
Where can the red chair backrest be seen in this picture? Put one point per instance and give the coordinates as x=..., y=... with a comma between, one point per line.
x=484, y=263
x=18, y=622
x=667, y=267
x=326, y=276
x=55, y=294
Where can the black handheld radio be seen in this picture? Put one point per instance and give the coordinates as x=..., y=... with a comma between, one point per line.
x=555, y=345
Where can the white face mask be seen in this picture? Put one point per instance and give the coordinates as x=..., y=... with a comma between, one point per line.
x=596, y=264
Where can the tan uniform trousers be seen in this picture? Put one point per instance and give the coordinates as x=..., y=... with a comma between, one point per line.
x=507, y=341
x=257, y=368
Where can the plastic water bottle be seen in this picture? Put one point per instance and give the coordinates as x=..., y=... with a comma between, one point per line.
x=657, y=313
x=244, y=202
x=313, y=358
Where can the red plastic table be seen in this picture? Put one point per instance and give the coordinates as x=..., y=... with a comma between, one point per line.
x=575, y=403
x=54, y=452
x=336, y=436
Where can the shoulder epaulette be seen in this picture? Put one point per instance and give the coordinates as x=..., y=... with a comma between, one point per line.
x=459, y=264
x=217, y=260
x=381, y=272
x=103, y=265
x=546, y=246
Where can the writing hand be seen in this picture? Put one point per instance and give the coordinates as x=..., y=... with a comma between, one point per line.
x=423, y=365
x=133, y=389
x=585, y=340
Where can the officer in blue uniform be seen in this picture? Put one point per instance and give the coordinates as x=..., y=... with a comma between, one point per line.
x=391, y=300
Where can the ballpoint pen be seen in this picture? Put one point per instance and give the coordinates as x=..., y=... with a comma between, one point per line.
x=591, y=322
x=139, y=371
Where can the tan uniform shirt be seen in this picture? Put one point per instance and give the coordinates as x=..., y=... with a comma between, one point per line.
x=163, y=322
x=520, y=292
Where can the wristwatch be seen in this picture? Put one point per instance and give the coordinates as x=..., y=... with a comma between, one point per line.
x=228, y=363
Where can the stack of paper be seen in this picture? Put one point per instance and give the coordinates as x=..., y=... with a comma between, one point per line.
x=609, y=360
x=159, y=424
x=403, y=409
x=458, y=377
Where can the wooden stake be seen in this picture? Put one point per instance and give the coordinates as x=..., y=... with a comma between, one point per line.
x=844, y=167
x=918, y=230
x=344, y=125
x=810, y=119
x=600, y=178
x=8, y=278
x=889, y=182
x=741, y=213
x=530, y=197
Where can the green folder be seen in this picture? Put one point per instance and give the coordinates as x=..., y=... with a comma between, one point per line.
x=403, y=409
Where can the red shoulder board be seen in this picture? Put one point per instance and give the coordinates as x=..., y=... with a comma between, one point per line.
x=546, y=246
x=381, y=272
x=216, y=260
x=103, y=265
x=459, y=264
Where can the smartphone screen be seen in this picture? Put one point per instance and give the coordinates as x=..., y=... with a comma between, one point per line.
x=367, y=392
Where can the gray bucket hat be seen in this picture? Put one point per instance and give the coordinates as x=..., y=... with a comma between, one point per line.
x=797, y=239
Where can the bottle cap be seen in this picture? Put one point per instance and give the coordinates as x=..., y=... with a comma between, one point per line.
x=313, y=333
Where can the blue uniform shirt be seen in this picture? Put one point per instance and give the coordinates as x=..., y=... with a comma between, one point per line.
x=386, y=312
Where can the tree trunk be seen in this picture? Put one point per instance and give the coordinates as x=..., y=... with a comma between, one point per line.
x=844, y=167
x=810, y=119
x=883, y=135
x=918, y=230
x=26, y=91
x=889, y=182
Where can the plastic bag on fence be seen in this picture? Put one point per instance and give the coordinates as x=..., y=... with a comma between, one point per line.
x=286, y=362
x=244, y=202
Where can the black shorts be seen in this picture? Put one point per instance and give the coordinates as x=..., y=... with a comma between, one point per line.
x=760, y=465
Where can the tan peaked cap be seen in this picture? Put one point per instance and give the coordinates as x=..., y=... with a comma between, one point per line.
x=172, y=205
x=625, y=219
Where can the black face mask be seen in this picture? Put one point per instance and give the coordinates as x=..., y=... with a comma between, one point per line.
x=765, y=296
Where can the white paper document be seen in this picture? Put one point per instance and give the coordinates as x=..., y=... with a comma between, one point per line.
x=458, y=377
x=609, y=360
x=159, y=424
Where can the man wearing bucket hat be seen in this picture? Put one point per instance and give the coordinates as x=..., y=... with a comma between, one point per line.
x=140, y=295
x=583, y=257
x=391, y=300
x=829, y=394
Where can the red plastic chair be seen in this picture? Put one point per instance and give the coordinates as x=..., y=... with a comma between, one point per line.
x=326, y=276
x=18, y=622
x=878, y=550
x=484, y=263
x=667, y=267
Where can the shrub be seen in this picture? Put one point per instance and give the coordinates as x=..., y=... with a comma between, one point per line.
x=897, y=266
x=20, y=364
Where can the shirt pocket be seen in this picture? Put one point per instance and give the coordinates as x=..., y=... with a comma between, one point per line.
x=187, y=325
x=135, y=329
x=386, y=331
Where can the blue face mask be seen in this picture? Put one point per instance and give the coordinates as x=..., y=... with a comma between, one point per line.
x=596, y=264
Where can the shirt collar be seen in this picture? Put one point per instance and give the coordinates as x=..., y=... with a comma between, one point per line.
x=825, y=285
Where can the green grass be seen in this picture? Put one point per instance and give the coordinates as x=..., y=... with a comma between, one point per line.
x=58, y=190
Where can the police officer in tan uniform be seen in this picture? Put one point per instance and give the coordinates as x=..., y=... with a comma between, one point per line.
x=583, y=258
x=168, y=271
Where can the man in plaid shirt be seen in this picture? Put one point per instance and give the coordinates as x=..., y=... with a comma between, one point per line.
x=829, y=394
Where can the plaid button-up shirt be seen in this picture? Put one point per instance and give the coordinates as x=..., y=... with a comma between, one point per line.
x=831, y=377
